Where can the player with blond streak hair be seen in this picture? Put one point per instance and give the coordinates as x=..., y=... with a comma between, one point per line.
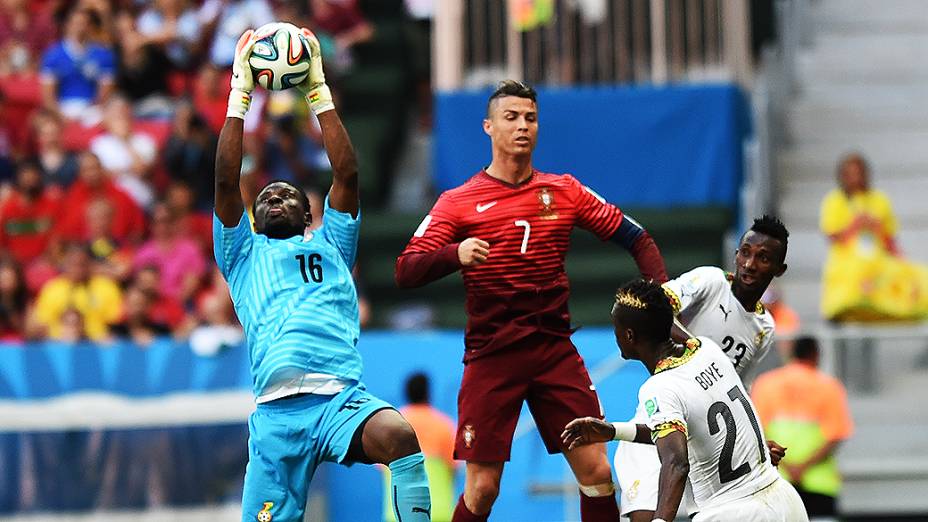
x=699, y=416
x=726, y=308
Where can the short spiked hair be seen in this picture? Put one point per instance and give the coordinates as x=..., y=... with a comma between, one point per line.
x=511, y=88
x=773, y=227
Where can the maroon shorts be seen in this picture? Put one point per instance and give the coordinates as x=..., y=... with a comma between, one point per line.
x=545, y=371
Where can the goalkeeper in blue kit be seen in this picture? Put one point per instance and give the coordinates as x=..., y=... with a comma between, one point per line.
x=295, y=297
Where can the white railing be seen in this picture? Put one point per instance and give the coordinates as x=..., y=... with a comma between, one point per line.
x=476, y=42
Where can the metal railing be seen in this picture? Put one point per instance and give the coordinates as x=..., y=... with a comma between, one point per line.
x=476, y=42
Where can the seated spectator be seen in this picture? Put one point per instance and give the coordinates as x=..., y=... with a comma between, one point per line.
x=172, y=25
x=129, y=156
x=72, y=327
x=163, y=309
x=14, y=299
x=142, y=71
x=78, y=73
x=191, y=223
x=179, y=259
x=28, y=215
x=137, y=324
x=229, y=19
x=218, y=330
x=92, y=183
x=190, y=152
x=58, y=165
x=7, y=166
x=290, y=154
x=111, y=258
x=24, y=32
x=865, y=278
x=97, y=298
x=343, y=22
x=210, y=97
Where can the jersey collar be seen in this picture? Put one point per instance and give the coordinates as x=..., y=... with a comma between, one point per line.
x=506, y=183
x=669, y=363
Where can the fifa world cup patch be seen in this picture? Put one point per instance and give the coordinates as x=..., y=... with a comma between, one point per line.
x=469, y=436
x=265, y=514
x=632, y=492
x=651, y=406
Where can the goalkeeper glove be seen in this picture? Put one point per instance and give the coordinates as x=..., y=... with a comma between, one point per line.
x=317, y=93
x=242, y=81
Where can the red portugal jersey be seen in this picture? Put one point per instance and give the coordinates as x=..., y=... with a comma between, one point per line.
x=522, y=287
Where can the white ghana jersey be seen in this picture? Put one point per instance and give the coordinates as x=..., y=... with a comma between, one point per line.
x=703, y=301
x=700, y=394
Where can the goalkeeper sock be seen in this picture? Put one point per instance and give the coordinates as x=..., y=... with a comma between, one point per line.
x=410, y=489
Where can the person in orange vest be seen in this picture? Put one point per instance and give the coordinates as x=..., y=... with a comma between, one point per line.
x=806, y=410
x=435, y=431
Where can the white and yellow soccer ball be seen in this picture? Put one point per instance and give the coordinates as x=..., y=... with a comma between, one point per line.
x=279, y=59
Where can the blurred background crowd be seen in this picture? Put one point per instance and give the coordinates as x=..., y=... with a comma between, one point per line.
x=109, y=116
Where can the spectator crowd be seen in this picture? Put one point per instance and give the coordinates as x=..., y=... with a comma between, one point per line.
x=109, y=116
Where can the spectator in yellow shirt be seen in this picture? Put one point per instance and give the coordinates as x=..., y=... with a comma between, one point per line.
x=97, y=298
x=865, y=278
x=806, y=411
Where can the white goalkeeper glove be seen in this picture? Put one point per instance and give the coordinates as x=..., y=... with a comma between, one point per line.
x=242, y=80
x=317, y=93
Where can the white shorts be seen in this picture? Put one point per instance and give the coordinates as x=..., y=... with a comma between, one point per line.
x=638, y=469
x=778, y=502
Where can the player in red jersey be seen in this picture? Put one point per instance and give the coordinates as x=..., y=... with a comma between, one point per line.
x=507, y=229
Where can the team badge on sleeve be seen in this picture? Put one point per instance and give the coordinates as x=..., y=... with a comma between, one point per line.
x=651, y=406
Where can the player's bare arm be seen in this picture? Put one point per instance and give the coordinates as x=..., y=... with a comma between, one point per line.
x=343, y=196
x=590, y=430
x=229, y=150
x=675, y=466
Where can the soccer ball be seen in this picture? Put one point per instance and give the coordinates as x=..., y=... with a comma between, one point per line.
x=279, y=59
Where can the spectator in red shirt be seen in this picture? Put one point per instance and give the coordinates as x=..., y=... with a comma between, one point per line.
x=164, y=309
x=137, y=323
x=13, y=300
x=191, y=223
x=93, y=183
x=27, y=216
x=344, y=23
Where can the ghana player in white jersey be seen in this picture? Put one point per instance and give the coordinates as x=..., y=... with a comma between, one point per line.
x=297, y=302
x=699, y=416
x=725, y=308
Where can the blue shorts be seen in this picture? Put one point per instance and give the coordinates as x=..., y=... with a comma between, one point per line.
x=288, y=439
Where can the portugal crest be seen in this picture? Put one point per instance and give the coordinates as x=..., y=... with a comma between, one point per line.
x=469, y=436
x=548, y=207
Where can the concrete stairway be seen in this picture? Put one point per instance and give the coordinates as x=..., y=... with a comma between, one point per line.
x=863, y=86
